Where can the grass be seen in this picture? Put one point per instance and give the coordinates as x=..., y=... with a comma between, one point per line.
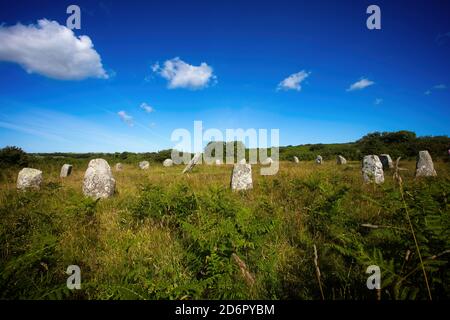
x=165, y=235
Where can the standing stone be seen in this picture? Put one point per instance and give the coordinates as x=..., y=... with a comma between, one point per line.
x=119, y=167
x=242, y=161
x=144, y=165
x=341, y=160
x=372, y=169
x=319, y=160
x=267, y=161
x=168, y=163
x=218, y=162
x=387, y=162
x=296, y=159
x=98, y=180
x=193, y=162
x=29, y=178
x=424, y=165
x=241, y=179
x=66, y=170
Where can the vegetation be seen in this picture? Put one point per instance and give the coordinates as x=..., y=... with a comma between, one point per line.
x=13, y=156
x=165, y=235
x=403, y=144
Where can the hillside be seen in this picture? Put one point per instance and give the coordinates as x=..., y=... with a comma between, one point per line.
x=403, y=144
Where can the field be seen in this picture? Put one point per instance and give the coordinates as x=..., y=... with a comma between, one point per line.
x=165, y=235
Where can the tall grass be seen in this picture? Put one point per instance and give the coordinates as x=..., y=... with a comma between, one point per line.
x=165, y=235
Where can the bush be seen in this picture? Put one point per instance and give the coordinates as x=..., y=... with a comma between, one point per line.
x=13, y=156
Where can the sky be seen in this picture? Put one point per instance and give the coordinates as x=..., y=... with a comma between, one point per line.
x=136, y=71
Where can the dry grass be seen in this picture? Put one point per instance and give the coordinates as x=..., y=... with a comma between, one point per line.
x=121, y=256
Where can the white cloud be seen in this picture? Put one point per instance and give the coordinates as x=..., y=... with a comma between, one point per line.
x=50, y=49
x=147, y=108
x=436, y=87
x=293, y=81
x=156, y=67
x=378, y=101
x=361, y=84
x=180, y=74
x=126, y=118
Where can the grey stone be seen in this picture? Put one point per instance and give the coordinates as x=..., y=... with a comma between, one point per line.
x=119, y=167
x=29, y=178
x=218, y=162
x=372, y=169
x=242, y=161
x=98, y=180
x=66, y=170
x=296, y=159
x=424, y=165
x=341, y=160
x=193, y=162
x=241, y=178
x=386, y=161
x=168, y=163
x=144, y=165
x=319, y=160
x=267, y=161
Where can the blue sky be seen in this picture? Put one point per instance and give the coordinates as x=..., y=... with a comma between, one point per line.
x=286, y=65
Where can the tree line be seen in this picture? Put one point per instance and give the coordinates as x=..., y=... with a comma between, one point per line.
x=405, y=144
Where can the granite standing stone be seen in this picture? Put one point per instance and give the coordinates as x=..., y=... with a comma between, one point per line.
x=98, y=180
x=296, y=159
x=242, y=161
x=424, y=165
x=241, y=178
x=267, y=161
x=119, y=167
x=319, y=160
x=29, y=178
x=66, y=170
x=341, y=160
x=218, y=162
x=372, y=169
x=168, y=163
x=193, y=162
x=386, y=161
x=144, y=165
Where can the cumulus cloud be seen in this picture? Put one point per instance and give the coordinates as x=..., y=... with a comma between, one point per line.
x=126, y=118
x=361, y=84
x=52, y=50
x=293, y=82
x=147, y=108
x=378, y=101
x=180, y=74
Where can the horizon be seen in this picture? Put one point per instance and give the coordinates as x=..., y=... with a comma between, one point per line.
x=136, y=71
x=247, y=148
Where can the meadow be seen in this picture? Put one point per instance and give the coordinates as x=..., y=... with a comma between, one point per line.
x=165, y=235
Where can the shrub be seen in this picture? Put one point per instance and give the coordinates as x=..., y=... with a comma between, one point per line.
x=13, y=156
